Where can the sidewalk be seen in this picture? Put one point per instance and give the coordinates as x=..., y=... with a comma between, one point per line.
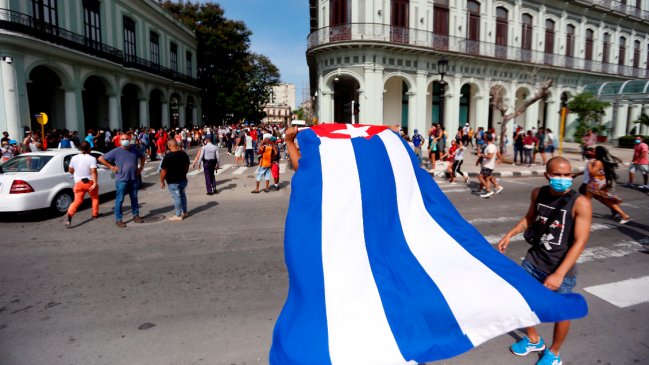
x=571, y=151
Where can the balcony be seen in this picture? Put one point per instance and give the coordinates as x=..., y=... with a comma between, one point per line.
x=361, y=32
x=25, y=24
x=618, y=7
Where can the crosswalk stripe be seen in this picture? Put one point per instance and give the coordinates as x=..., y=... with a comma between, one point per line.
x=494, y=220
x=223, y=169
x=239, y=171
x=455, y=191
x=619, y=249
x=494, y=239
x=282, y=168
x=194, y=173
x=623, y=293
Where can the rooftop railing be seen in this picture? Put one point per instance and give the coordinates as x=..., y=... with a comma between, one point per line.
x=25, y=24
x=414, y=37
x=619, y=7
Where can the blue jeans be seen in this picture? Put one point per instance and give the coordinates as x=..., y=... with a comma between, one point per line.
x=180, y=199
x=123, y=187
x=567, y=285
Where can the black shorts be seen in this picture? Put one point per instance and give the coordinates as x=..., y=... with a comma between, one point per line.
x=486, y=172
x=542, y=149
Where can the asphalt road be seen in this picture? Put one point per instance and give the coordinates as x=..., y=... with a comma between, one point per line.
x=209, y=289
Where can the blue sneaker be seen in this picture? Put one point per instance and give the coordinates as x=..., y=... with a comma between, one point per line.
x=549, y=359
x=525, y=346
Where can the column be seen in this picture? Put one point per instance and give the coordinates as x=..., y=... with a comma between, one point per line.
x=326, y=106
x=11, y=100
x=181, y=115
x=195, y=115
x=553, y=116
x=532, y=116
x=144, y=113
x=619, y=128
x=72, y=117
x=114, y=111
x=412, y=112
x=634, y=113
x=482, y=111
x=164, y=105
x=644, y=129
x=421, y=98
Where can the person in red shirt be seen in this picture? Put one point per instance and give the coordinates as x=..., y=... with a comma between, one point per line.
x=116, y=139
x=450, y=158
x=640, y=160
x=529, y=142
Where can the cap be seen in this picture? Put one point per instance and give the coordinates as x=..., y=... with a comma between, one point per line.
x=416, y=131
x=273, y=139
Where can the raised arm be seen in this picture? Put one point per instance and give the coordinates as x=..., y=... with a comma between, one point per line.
x=293, y=151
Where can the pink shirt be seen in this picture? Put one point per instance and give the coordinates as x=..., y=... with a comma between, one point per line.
x=640, y=154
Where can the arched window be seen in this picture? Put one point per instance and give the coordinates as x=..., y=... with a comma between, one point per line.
x=621, y=60
x=606, y=48
x=549, y=40
x=589, y=44
x=570, y=41
x=440, y=24
x=526, y=32
x=501, y=32
x=636, y=54
x=473, y=29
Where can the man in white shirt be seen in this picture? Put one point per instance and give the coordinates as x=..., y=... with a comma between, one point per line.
x=489, y=156
x=84, y=169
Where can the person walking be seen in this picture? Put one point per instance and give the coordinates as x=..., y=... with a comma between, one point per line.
x=529, y=144
x=265, y=163
x=250, y=152
x=518, y=145
x=126, y=158
x=458, y=161
x=83, y=168
x=174, y=172
x=602, y=177
x=488, y=162
x=640, y=161
x=540, y=146
x=274, y=169
x=418, y=142
x=557, y=224
x=209, y=157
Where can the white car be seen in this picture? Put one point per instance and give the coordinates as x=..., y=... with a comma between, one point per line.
x=38, y=180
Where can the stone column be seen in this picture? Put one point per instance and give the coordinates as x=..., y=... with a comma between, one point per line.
x=619, y=128
x=532, y=116
x=421, y=99
x=326, y=106
x=553, y=116
x=144, y=113
x=11, y=118
x=164, y=105
x=114, y=111
x=73, y=121
x=482, y=112
x=181, y=115
x=634, y=113
x=412, y=112
x=195, y=115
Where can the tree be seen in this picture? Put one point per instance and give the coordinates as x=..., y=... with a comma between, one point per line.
x=643, y=119
x=497, y=100
x=589, y=111
x=234, y=81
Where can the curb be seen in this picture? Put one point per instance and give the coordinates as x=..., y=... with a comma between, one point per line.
x=500, y=174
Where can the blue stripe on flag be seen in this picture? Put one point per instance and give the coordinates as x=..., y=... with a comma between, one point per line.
x=422, y=322
x=300, y=335
x=548, y=306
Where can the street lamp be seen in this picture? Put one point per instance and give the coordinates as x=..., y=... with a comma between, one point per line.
x=442, y=68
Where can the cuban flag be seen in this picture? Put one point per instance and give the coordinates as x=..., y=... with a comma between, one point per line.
x=383, y=269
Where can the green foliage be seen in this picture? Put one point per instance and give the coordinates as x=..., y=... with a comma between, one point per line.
x=628, y=141
x=643, y=119
x=589, y=110
x=299, y=114
x=235, y=82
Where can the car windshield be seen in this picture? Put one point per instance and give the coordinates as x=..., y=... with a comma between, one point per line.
x=25, y=164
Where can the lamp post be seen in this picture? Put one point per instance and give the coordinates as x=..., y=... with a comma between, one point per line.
x=442, y=68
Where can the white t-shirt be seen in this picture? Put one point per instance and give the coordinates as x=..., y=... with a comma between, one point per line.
x=490, y=163
x=248, y=142
x=82, y=165
x=459, y=154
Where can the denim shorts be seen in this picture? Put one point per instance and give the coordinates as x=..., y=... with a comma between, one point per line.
x=567, y=285
x=644, y=169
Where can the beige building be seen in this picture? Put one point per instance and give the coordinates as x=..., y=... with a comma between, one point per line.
x=281, y=104
x=93, y=64
x=382, y=57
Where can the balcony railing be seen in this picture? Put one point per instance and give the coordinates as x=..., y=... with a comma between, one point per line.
x=420, y=38
x=25, y=24
x=619, y=7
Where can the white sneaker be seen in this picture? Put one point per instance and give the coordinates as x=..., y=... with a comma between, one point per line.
x=487, y=195
x=176, y=218
x=625, y=221
x=499, y=189
x=453, y=183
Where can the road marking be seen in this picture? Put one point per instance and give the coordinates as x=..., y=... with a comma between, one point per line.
x=456, y=191
x=494, y=239
x=623, y=293
x=239, y=171
x=194, y=173
x=620, y=249
x=282, y=168
x=222, y=170
x=519, y=182
x=494, y=220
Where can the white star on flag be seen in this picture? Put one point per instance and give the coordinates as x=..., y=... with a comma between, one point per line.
x=353, y=131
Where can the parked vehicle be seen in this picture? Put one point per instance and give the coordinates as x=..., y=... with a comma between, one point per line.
x=39, y=180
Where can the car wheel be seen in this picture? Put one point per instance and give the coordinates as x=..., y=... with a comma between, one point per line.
x=62, y=201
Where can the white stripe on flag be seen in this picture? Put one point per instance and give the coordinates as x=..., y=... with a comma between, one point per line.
x=460, y=277
x=358, y=329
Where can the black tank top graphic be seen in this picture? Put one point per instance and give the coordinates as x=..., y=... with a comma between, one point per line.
x=558, y=239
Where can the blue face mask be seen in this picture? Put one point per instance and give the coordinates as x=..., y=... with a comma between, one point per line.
x=560, y=184
x=637, y=141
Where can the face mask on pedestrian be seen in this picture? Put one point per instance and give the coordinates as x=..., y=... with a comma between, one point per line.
x=125, y=142
x=637, y=141
x=560, y=184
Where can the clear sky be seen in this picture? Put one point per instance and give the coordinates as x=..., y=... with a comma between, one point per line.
x=279, y=30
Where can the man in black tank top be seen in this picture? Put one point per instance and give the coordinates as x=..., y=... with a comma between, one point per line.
x=556, y=246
